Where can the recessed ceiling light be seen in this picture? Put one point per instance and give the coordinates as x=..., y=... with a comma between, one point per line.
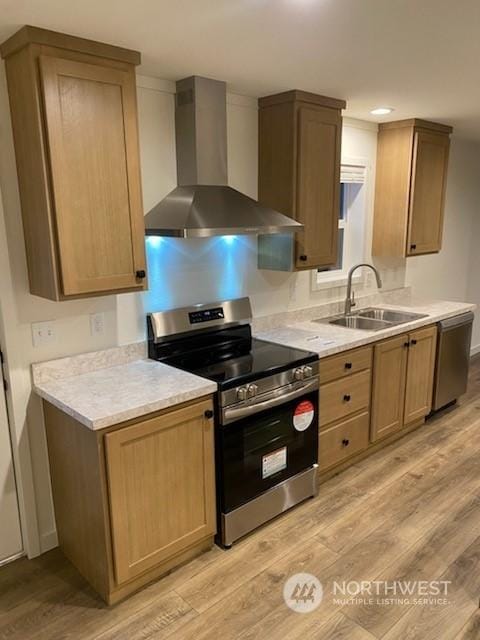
x=381, y=111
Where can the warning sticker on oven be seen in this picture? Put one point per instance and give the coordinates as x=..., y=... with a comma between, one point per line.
x=303, y=415
x=274, y=462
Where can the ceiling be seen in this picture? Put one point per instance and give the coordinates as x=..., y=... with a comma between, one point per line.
x=419, y=56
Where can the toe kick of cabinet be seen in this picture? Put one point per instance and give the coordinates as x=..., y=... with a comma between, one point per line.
x=339, y=442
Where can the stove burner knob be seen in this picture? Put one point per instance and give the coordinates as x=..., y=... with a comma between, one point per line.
x=242, y=393
x=298, y=374
x=307, y=371
x=252, y=390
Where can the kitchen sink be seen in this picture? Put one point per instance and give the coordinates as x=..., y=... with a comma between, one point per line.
x=359, y=322
x=386, y=315
x=373, y=319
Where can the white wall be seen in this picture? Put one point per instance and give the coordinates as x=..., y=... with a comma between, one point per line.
x=180, y=272
x=452, y=274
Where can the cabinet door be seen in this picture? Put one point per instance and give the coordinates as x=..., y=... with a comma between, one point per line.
x=343, y=440
x=90, y=113
x=430, y=162
x=162, y=488
x=389, y=372
x=421, y=363
x=318, y=186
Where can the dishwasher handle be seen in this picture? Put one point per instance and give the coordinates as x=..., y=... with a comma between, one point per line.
x=456, y=321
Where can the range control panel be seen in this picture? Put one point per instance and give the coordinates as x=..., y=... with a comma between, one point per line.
x=206, y=315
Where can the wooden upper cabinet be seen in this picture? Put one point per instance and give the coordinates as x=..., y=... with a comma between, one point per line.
x=412, y=162
x=74, y=115
x=299, y=175
x=430, y=161
x=161, y=480
x=318, y=186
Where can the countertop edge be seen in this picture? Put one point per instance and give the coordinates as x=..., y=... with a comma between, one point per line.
x=136, y=412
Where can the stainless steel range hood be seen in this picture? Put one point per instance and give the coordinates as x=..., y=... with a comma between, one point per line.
x=203, y=204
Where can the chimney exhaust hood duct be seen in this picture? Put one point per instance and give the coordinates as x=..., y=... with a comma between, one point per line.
x=203, y=204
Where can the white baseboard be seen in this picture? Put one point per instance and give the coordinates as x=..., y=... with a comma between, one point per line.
x=474, y=350
x=48, y=540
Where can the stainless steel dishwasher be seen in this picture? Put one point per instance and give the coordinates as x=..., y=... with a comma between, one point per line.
x=452, y=359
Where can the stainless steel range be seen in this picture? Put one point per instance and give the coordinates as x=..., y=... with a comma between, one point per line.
x=266, y=409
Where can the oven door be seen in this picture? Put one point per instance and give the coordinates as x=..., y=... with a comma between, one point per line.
x=257, y=452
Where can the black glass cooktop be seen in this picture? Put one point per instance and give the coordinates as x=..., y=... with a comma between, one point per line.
x=230, y=356
x=263, y=359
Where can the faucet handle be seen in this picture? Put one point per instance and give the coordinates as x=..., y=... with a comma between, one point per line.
x=352, y=300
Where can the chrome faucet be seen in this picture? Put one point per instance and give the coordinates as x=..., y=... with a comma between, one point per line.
x=350, y=299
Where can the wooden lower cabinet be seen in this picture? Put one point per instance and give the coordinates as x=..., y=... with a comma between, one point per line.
x=365, y=402
x=343, y=440
x=345, y=364
x=134, y=500
x=402, y=381
x=388, y=390
x=421, y=365
x=345, y=390
x=161, y=484
x=344, y=397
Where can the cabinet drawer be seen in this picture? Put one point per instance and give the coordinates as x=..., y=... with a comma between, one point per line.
x=343, y=397
x=345, y=364
x=342, y=441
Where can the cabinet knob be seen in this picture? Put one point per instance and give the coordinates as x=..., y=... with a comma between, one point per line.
x=348, y=365
x=347, y=397
x=140, y=274
x=208, y=414
x=413, y=247
x=345, y=442
x=413, y=342
x=406, y=344
x=303, y=258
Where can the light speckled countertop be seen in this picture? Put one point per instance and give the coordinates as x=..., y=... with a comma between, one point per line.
x=108, y=396
x=104, y=388
x=327, y=339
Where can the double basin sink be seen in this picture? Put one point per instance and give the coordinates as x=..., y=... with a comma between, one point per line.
x=373, y=319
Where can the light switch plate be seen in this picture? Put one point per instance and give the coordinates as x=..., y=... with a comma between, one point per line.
x=97, y=324
x=43, y=333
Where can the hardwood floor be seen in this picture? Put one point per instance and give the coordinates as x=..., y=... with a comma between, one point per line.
x=409, y=512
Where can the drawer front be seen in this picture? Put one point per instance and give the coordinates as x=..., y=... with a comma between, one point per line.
x=342, y=441
x=345, y=364
x=341, y=398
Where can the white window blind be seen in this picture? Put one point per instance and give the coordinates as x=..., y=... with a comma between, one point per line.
x=352, y=173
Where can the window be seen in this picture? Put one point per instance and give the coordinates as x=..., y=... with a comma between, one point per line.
x=351, y=227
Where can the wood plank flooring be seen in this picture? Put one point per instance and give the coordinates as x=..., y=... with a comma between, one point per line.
x=409, y=512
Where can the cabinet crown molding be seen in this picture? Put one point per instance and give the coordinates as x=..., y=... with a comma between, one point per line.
x=416, y=123
x=302, y=96
x=35, y=35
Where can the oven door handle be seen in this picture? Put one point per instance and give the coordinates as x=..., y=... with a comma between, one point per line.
x=236, y=413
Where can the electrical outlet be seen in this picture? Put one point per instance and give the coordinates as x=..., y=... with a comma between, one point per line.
x=43, y=333
x=97, y=324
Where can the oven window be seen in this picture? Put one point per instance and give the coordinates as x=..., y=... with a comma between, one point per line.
x=250, y=451
x=273, y=431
